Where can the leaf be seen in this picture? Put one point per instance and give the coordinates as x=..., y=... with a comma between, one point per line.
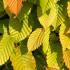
x=35, y=39
x=68, y=8
x=46, y=39
x=65, y=40
x=6, y=48
x=43, y=5
x=25, y=11
x=51, y=68
x=19, y=30
x=42, y=18
x=66, y=56
x=54, y=15
x=13, y=6
x=23, y=62
x=1, y=7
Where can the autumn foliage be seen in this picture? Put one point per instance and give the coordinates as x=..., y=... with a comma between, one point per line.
x=34, y=34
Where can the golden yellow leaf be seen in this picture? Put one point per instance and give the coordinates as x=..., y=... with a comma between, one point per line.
x=35, y=39
x=50, y=68
x=65, y=40
x=66, y=56
x=68, y=8
x=13, y=6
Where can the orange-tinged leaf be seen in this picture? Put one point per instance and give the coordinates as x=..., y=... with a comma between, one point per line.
x=13, y=6
x=50, y=68
x=66, y=56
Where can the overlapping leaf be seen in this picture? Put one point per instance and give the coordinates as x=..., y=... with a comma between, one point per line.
x=54, y=16
x=23, y=62
x=65, y=40
x=20, y=29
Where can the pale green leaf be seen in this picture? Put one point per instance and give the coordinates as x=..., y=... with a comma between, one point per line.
x=6, y=48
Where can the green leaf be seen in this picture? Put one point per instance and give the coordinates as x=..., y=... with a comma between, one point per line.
x=25, y=11
x=19, y=30
x=21, y=27
x=1, y=7
x=35, y=39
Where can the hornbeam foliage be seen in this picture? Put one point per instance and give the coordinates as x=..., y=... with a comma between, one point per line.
x=34, y=34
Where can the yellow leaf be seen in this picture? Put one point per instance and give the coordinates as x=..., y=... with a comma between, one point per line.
x=35, y=39
x=66, y=56
x=65, y=40
x=23, y=62
x=68, y=8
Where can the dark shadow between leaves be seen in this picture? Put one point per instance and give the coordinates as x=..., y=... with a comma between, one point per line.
x=16, y=24
x=56, y=47
x=23, y=46
x=33, y=19
x=40, y=59
x=3, y=23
